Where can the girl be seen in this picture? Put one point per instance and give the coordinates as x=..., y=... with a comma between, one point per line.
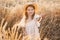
x=30, y=23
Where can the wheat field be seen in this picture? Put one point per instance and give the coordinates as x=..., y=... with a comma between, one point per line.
x=11, y=14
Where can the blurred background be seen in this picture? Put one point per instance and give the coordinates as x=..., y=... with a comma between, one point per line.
x=11, y=12
x=43, y=5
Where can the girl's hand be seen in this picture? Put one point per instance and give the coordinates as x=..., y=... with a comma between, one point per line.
x=38, y=18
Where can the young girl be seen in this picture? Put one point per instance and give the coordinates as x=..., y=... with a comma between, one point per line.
x=30, y=22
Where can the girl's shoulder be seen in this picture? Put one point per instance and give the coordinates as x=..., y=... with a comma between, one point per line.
x=22, y=22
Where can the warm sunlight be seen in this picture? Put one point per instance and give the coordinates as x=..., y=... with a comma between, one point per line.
x=29, y=19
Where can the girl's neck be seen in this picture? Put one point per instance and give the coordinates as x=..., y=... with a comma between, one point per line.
x=30, y=17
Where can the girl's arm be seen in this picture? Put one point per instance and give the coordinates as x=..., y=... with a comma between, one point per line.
x=38, y=19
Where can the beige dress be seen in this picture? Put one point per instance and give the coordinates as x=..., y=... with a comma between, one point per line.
x=31, y=29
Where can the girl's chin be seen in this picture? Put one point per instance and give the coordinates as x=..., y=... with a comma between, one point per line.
x=30, y=14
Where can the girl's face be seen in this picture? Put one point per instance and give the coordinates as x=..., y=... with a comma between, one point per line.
x=30, y=11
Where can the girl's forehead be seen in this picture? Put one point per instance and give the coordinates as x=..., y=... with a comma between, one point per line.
x=29, y=7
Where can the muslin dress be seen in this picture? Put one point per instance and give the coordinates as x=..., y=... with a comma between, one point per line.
x=31, y=29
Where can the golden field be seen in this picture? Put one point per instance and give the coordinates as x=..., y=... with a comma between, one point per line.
x=11, y=13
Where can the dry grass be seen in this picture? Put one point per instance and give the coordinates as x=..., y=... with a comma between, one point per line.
x=9, y=29
x=50, y=26
x=8, y=24
x=8, y=19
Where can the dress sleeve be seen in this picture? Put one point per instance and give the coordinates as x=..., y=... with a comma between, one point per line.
x=37, y=24
x=22, y=22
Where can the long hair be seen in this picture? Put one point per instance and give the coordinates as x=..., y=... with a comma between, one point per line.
x=26, y=11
